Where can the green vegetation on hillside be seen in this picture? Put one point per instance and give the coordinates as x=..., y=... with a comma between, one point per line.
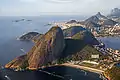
x=79, y=35
x=79, y=47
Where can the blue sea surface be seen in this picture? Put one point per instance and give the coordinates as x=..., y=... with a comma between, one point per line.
x=111, y=42
x=10, y=47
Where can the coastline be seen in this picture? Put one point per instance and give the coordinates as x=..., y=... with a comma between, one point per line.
x=100, y=72
x=97, y=71
x=84, y=68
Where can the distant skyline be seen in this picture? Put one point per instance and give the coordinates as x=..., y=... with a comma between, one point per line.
x=56, y=7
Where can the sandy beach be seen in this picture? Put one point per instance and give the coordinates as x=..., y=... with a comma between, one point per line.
x=84, y=68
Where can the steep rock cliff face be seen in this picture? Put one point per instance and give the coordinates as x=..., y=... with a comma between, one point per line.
x=46, y=50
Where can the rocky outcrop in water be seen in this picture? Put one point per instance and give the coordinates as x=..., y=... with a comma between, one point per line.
x=46, y=50
x=29, y=36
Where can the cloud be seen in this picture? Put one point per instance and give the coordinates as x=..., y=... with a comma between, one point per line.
x=28, y=0
x=80, y=7
x=61, y=1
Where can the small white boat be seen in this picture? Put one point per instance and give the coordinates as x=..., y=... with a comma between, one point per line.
x=23, y=50
x=85, y=73
x=8, y=78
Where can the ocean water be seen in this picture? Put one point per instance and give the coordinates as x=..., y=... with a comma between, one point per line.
x=10, y=48
x=111, y=42
x=58, y=73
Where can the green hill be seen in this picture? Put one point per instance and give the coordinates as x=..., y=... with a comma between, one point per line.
x=69, y=32
x=86, y=36
x=79, y=47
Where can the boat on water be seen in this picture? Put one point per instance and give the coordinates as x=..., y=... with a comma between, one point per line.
x=7, y=77
x=23, y=50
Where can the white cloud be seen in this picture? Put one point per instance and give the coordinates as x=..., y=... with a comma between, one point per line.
x=62, y=1
x=81, y=7
x=28, y=0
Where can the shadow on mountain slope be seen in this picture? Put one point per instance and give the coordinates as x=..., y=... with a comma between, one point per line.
x=73, y=46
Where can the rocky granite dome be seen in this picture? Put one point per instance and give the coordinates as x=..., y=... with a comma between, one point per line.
x=45, y=50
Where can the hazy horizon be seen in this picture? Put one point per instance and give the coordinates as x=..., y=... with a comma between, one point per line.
x=56, y=7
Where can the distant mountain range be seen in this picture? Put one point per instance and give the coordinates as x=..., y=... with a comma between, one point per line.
x=114, y=13
x=99, y=20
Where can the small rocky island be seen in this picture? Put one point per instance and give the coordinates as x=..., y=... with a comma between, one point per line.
x=29, y=36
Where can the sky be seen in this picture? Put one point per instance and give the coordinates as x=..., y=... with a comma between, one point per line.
x=56, y=7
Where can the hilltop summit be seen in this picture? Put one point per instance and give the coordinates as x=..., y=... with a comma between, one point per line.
x=46, y=50
x=100, y=16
